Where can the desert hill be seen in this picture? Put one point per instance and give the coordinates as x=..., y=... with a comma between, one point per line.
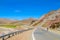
x=50, y=19
x=5, y=21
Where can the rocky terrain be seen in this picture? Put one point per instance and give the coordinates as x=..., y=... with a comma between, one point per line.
x=50, y=20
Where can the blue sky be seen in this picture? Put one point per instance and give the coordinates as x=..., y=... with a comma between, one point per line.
x=22, y=9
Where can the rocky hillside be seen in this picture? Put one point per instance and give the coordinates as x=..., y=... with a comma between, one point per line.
x=51, y=18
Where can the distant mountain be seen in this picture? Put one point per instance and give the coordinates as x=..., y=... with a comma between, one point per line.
x=25, y=21
x=17, y=24
x=5, y=21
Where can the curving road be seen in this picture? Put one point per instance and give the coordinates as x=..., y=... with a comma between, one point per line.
x=41, y=34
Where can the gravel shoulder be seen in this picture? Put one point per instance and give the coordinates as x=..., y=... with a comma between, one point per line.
x=27, y=35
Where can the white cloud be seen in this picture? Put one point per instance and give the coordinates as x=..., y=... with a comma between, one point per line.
x=17, y=10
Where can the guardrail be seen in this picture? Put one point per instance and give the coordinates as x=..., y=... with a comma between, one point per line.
x=12, y=34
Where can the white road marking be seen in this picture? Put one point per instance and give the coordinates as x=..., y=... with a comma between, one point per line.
x=33, y=35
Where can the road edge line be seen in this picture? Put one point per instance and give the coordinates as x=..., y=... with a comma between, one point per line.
x=33, y=35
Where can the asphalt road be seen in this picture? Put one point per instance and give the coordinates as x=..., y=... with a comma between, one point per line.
x=41, y=34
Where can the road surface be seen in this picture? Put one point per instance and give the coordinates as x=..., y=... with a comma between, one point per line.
x=41, y=34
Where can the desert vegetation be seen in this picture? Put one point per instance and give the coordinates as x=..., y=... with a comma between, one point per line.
x=55, y=25
x=8, y=26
